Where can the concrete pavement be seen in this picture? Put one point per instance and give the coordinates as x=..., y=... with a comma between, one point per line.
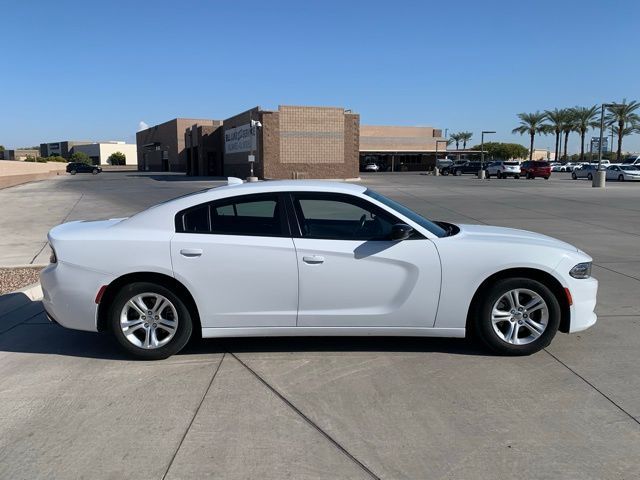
x=71, y=406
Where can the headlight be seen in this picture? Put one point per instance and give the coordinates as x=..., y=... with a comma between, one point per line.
x=581, y=270
x=52, y=257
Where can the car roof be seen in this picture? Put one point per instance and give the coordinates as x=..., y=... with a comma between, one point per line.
x=227, y=191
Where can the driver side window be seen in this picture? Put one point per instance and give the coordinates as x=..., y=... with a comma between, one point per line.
x=340, y=217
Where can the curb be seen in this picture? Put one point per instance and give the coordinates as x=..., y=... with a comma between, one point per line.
x=32, y=292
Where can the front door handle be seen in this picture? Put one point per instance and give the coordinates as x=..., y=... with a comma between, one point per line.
x=313, y=259
x=191, y=252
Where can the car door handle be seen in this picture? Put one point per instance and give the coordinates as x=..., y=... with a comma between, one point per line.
x=313, y=259
x=191, y=252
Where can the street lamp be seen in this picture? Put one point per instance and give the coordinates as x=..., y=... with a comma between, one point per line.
x=481, y=172
x=599, y=179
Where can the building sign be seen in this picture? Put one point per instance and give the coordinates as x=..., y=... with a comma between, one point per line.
x=595, y=144
x=240, y=139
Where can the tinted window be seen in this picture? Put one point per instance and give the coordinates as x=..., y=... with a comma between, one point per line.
x=255, y=215
x=340, y=217
x=512, y=164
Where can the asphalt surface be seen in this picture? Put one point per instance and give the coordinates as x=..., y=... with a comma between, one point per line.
x=72, y=406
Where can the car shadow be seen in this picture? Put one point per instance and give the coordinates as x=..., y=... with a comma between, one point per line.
x=33, y=333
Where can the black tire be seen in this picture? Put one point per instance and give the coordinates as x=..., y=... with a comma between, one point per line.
x=531, y=176
x=589, y=176
x=483, y=324
x=516, y=176
x=621, y=178
x=73, y=172
x=574, y=176
x=546, y=178
x=445, y=172
x=183, y=330
x=487, y=174
x=457, y=173
x=94, y=171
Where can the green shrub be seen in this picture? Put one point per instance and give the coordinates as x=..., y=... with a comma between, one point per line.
x=56, y=158
x=117, y=158
x=80, y=157
x=30, y=158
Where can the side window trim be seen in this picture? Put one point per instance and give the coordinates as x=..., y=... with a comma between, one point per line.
x=285, y=228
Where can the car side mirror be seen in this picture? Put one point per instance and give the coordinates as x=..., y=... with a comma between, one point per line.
x=401, y=231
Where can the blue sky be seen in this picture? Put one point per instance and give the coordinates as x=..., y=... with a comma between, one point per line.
x=93, y=70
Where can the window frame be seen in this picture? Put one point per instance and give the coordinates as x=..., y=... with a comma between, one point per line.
x=296, y=224
x=285, y=228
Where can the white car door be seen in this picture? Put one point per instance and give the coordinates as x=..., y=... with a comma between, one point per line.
x=237, y=259
x=612, y=173
x=352, y=275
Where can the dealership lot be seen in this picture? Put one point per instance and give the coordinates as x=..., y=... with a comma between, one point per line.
x=72, y=406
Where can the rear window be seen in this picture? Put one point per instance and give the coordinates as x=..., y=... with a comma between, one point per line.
x=512, y=164
x=543, y=164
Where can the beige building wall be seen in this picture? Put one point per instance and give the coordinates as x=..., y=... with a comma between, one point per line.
x=384, y=138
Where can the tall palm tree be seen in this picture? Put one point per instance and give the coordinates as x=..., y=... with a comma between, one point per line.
x=568, y=127
x=556, y=118
x=456, y=138
x=464, y=138
x=623, y=115
x=584, y=118
x=531, y=124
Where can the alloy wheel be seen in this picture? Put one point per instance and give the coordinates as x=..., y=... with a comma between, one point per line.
x=149, y=320
x=519, y=316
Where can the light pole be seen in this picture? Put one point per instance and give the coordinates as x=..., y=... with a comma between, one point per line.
x=481, y=172
x=599, y=179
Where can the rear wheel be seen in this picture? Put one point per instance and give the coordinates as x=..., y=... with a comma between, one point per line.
x=621, y=178
x=149, y=321
x=457, y=173
x=94, y=171
x=487, y=174
x=73, y=172
x=516, y=176
x=574, y=176
x=547, y=177
x=517, y=316
x=589, y=176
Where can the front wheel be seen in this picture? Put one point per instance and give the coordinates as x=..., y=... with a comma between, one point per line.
x=590, y=177
x=574, y=176
x=517, y=316
x=94, y=171
x=621, y=178
x=516, y=176
x=73, y=172
x=487, y=174
x=149, y=321
x=457, y=173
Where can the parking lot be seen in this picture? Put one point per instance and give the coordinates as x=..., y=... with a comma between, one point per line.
x=72, y=406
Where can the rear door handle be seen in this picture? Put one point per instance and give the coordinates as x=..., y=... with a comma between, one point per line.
x=191, y=252
x=313, y=259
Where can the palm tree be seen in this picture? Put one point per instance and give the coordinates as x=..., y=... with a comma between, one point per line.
x=623, y=115
x=557, y=118
x=531, y=123
x=568, y=127
x=464, y=138
x=456, y=138
x=584, y=118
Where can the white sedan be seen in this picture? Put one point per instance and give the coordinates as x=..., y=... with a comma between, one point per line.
x=623, y=172
x=310, y=258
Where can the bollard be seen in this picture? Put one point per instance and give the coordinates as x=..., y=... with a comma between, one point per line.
x=599, y=179
x=481, y=174
x=436, y=171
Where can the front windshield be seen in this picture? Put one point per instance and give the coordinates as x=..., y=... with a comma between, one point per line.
x=407, y=212
x=630, y=167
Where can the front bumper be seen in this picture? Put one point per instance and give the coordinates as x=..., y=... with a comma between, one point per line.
x=583, y=313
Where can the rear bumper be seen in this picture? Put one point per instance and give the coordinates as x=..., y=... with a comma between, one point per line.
x=69, y=295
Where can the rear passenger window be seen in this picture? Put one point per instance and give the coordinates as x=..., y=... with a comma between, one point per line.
x=196, y=220
x=255, y=215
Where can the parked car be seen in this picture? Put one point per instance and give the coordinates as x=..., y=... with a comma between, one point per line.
x=569, y=167
x=623, y=172
x=502, y=169
x=79, y=167
x=585, y=171
x=535, y=168
x=558, y=167
x=310, y=258
x=632, y=160
x=371, y=167
x=463, y=168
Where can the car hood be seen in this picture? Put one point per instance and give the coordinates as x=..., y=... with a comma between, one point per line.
x=511, y=235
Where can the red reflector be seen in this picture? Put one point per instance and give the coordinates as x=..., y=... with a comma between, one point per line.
x=569, y=298
x=101, y=292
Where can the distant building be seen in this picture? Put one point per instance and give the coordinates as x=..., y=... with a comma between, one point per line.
x=401, y=148
x=291, y=142
x=100, y=152
x=60, y=149
x=543, y=154
x=161, y=148
x=19, y=154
